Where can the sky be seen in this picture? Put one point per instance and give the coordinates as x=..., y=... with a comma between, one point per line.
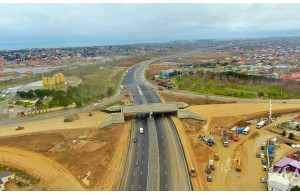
x=145, y=22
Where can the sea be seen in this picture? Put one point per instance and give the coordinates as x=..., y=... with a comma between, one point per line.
x=30, y=45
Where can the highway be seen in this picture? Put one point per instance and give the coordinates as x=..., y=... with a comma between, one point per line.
x=166, y=158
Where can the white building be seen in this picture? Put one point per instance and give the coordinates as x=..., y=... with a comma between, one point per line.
x=5, y=177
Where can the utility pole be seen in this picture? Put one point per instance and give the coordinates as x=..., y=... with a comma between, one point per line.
x=270, y=116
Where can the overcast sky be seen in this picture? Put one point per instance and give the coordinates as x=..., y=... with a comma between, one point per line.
x=145, y=22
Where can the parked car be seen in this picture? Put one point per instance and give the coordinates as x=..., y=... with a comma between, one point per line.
x=211, y=162
x=135, y=140
x=212, y=167
x=264, y=162
x=209, y=178
x=257, y=155
x=264, y=168
x=262, y=155
x=19, y=128
x=284, y=102
x=208, y=170
x=262, y=180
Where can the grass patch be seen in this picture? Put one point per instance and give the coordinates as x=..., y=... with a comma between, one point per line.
x=114, y=103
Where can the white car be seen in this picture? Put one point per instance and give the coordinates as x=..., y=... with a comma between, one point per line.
x=211, y=162
x=97, y=104
x=262, y=156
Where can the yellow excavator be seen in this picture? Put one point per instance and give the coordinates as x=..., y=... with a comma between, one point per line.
x=238, y=166
x=216, y=155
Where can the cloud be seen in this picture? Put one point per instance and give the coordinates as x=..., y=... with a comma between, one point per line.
x=96, y=22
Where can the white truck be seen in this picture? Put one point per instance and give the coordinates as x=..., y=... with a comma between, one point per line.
x=246, y=130
x=260, y=124
x=121, y=87
x=141, y=130
x=225, y=142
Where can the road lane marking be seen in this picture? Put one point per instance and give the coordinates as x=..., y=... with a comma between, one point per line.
x=141, y=172
x=166, y=186
x=133, y=173
x=132, y=187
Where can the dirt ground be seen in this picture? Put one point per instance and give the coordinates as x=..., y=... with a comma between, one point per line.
x=198, y=154
x=38, y=164
x=74, y=152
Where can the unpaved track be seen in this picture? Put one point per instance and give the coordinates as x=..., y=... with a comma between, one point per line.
x=55, y=176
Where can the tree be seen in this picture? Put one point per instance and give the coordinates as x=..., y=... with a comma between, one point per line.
x=295, y=188
x=261, y=94
x=284, y=133
x=109, y=91
x=291, y=136
x=39, y=104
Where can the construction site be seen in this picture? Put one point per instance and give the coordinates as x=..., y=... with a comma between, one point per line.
x=231, y=164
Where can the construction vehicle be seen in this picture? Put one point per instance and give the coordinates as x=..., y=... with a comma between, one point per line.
x=160, y=88
x=216, y=155
x=90, y=114
x=19, y=128
x=238, y=166
x=210, y=142
x=193, y=172
x=236, y=135
x=68, y=120
x=209, y=178
x=246, y=130
x=261, y=124
x=225, y=142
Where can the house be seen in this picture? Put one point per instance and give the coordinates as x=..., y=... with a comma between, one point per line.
x=286, y=164
x=5, y=177
x=278, y=182
x=167, y=72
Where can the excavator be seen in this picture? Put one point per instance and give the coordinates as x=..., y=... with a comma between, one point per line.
x=238, y=166
x=236, y=135
x=216, y=155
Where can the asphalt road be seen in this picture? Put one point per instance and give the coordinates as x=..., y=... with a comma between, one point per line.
x=172, y=169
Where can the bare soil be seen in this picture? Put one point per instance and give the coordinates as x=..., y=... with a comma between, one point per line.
x=83, y=157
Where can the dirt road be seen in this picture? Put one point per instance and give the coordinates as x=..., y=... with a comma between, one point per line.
x=55, y=124
x=53, y=174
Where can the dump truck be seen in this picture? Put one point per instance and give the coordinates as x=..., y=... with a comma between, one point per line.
x=225, y=142
x=68, y=120
x=261, y=124
x=238, y=166
x=246, y=130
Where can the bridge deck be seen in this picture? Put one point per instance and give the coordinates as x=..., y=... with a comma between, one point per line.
x=147, y=108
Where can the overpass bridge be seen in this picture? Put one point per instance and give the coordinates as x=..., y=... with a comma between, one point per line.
x=119, y=111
